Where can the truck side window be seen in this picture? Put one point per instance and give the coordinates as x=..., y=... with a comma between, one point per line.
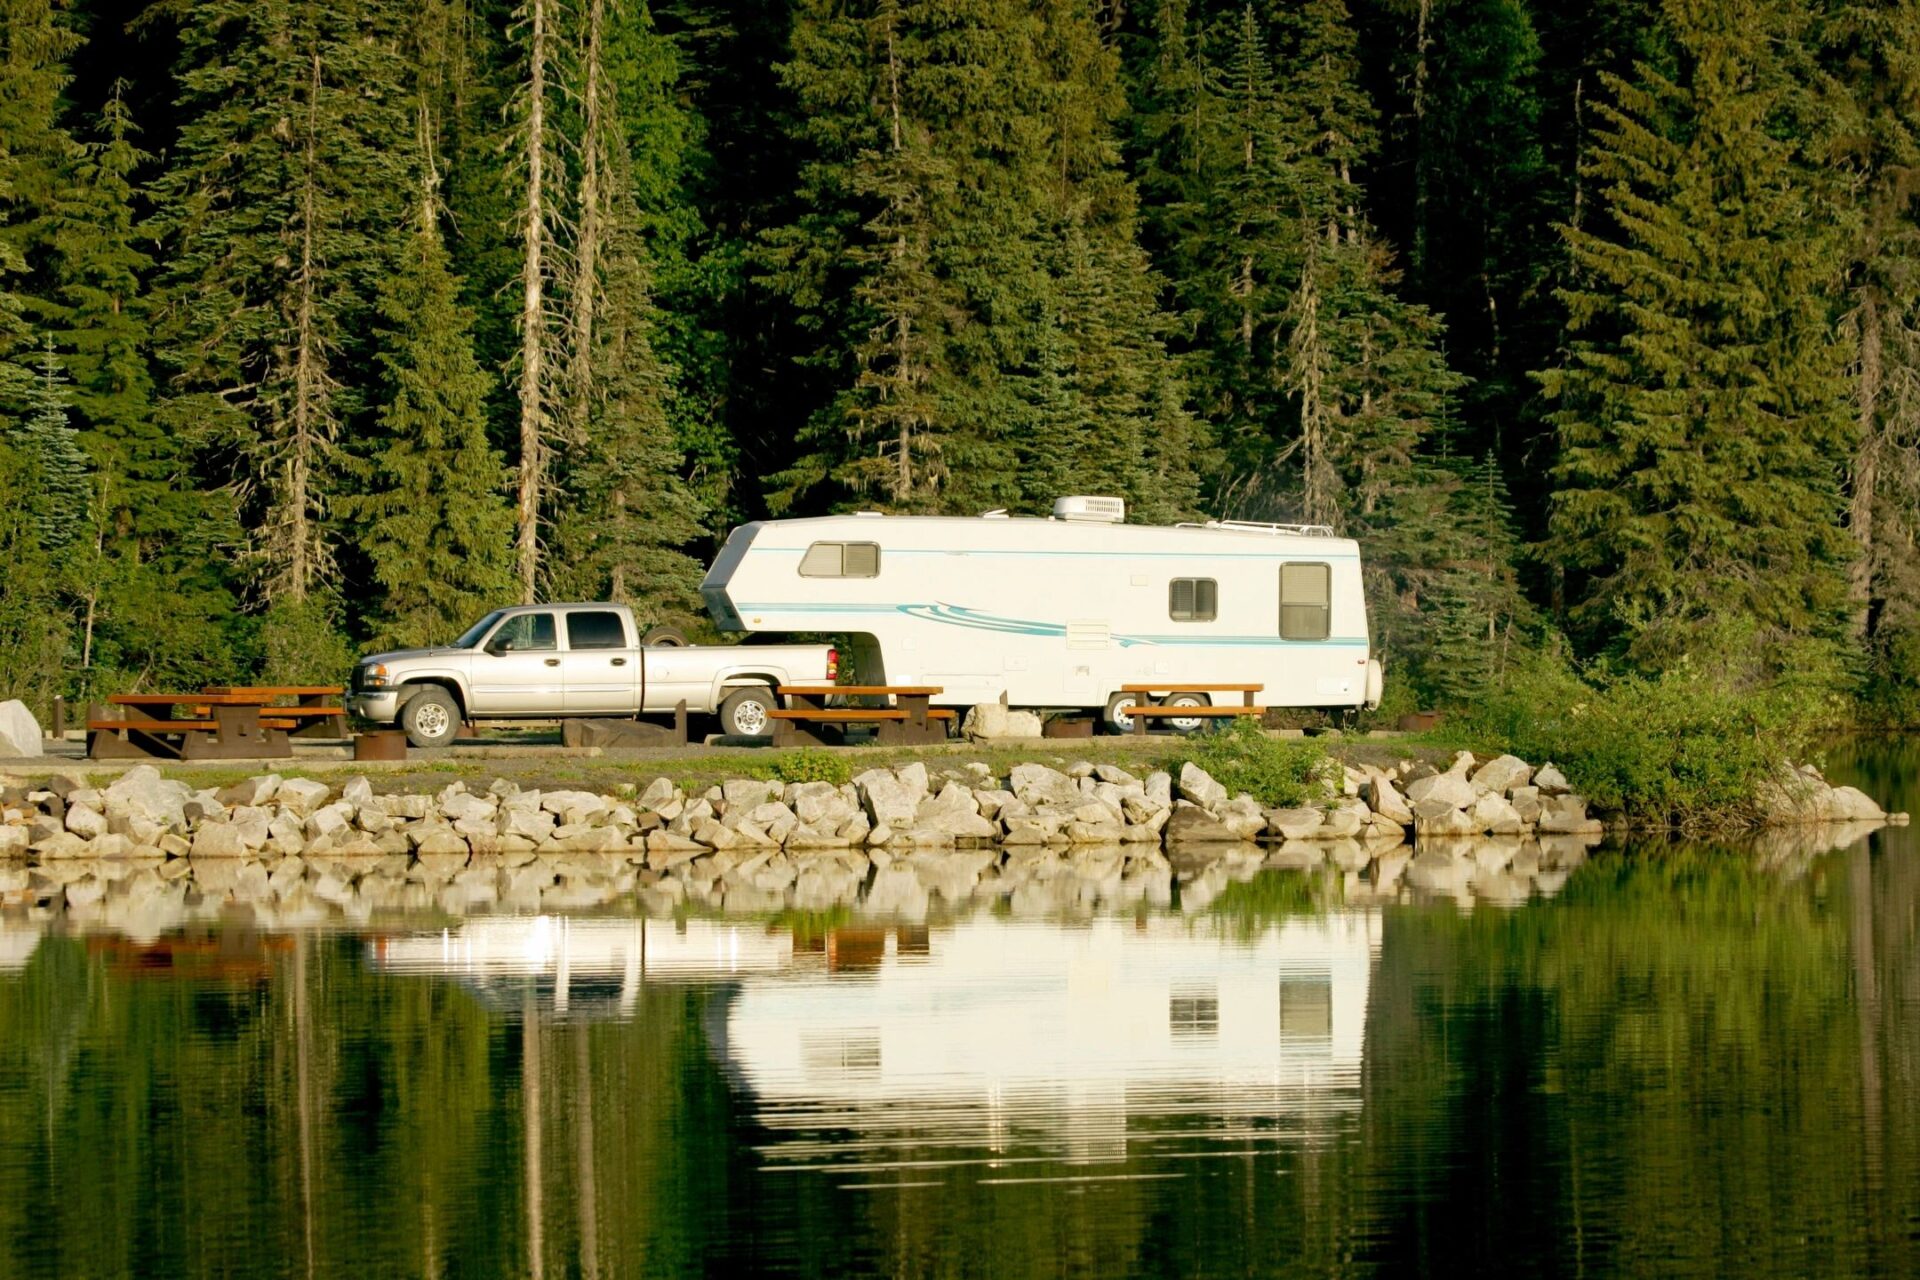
x=1193, y=599
x=1306, y=601
x=527, y=632
x=595, y=631
x=841, y=560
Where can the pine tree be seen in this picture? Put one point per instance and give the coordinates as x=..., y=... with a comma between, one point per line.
x=280, y=212
x=32, y=626
x=1702, y=408
x=625, y=514
x=34, y=44
x=59, y=490
x=435, y=525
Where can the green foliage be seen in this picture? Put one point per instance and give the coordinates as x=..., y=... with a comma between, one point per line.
x=434, y=523
x=808, y=764
x=33, y=626
x=1702, y=410
x=1241, y=757
x=300, y=643
x=1249, y=908
x=1687, y=748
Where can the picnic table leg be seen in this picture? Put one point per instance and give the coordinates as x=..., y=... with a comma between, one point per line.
x=918, y=728
x=317, y=726
x=1140, y=722
x=680, y=723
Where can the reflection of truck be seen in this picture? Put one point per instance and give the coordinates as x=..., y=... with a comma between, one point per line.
x=1062, y=612
x=545, y=662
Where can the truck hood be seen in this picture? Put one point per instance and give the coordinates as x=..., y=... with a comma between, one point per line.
x=413, y=655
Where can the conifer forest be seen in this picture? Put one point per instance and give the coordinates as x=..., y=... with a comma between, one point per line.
x=331, y=324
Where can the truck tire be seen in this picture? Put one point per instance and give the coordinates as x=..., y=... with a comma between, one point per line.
x=744, y=714
x=1115, y=717
x=672, y=637
x=430, y=717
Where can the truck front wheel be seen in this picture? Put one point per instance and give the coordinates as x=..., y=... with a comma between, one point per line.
x=430, y=717
x=747, y=712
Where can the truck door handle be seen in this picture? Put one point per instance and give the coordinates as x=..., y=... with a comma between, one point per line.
x=553, y=662
x=619, y=662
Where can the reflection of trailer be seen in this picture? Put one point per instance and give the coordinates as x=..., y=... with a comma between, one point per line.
x=1021, y=1020
x=1061, y=612
x=588, y=966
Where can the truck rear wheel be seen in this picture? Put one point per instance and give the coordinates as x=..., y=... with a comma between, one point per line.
x=746, y=712
x=430, y=717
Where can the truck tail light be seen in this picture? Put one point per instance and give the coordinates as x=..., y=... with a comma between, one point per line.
x=833, y=664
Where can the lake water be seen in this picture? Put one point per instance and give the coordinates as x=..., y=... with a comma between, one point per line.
x=1653, y=1061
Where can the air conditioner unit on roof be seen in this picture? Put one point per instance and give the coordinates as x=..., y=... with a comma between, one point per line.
x=1094, y=510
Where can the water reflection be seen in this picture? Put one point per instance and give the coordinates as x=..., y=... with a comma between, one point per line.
x=1496, y=1056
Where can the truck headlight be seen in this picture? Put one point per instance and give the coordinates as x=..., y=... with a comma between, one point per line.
x=374, y=675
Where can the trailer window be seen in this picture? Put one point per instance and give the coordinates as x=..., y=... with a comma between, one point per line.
x=595, y=630
x=1193, y=599
x=841, y=560
x=1306, y=601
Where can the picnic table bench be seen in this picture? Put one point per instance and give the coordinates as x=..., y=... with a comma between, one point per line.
x=221, y=722
x=1142, y=713
x=909, y=720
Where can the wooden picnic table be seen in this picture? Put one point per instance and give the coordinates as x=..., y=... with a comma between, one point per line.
x=1141, y=714
x=215, y=726
x=311, y=716
x=909, y=720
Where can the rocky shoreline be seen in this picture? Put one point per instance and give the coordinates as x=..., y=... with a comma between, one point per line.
x=146, y=852
x=142, y=814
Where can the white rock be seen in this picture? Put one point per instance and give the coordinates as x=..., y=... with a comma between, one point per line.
x=1848, y=804
x=747, y=793
x=1492, y=814
x=19, y=731
x=1501, y=774
x=890, y=802
x=657, y=793
x=1197, y=785
x=218, y=840
x=301, y=796
x=1294, y=824
x=141, y=792
x=1550, y=780
x=84, y=822
x=1449, y=789
x=1036, y=784
x=986, y=720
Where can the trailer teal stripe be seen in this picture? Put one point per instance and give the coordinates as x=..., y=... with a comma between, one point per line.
x=977, y=620
x=1097, y=555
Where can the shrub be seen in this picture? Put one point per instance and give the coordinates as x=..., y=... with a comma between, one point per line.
x=810, y=764
x=1275, y=771
x=1685, y=748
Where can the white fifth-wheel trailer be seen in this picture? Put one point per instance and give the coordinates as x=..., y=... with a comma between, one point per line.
x=1060, y=612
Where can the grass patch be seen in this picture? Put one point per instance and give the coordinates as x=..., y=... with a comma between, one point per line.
x=1278, y=772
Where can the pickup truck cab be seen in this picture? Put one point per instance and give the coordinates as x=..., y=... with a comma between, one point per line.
x=559, y=661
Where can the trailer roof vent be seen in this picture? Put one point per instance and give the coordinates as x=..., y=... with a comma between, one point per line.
x=1092, y=510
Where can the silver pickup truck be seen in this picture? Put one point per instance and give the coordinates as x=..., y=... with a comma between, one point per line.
x=554, y=661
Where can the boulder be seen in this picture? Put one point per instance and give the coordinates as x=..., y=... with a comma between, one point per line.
x=953, y=813
x=19, y=732
x=889, y=801
x=1385, y=799
x=142, y=793
x=985, y=720
x=1198, y=786
x=1847, y=804
x=1450, y=789
x=1492, y=814
x=1341, y=823
x=301, y=796
x=84, y=822
x=1294, y=824
x=1526, y=803
x=1190, y=824
x=1501, y=774
x=218, y=840
x=255, y=791
x=1038, y=785
x=1159, y=785
x=1550, y=780
x=1433, y=819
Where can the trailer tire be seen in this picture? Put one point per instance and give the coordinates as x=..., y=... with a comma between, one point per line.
x=744, y=713
x=1115, y=718
x=431, y=717
x=1186, y=724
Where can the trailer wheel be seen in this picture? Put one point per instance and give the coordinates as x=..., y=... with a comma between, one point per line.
x=1187, y=724
x=1115, y=718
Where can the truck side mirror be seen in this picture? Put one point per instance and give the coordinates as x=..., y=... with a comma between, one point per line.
x=499, y=645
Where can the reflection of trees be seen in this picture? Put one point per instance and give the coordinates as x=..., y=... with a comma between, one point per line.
x=1661, y=1070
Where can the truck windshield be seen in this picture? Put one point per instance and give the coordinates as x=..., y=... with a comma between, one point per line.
x=473, y=633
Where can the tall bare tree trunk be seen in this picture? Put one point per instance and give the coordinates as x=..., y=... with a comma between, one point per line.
x=1866, y=460
x=1316, y=421
x=903, y=324
x=586, y=282
x=307, y=423
x=1422, y=40
x=533, y=346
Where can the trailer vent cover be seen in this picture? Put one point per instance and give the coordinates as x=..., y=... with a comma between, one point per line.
x=1095, y=510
